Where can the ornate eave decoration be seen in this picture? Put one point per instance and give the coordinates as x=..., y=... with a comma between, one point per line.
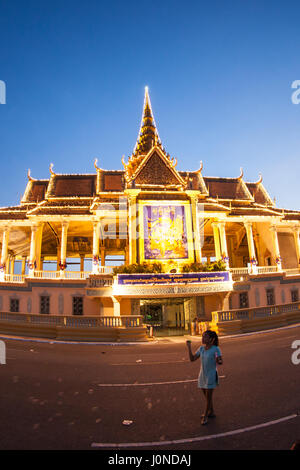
x=135, y=166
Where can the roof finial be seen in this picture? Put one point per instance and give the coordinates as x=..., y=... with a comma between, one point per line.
x=29, y=175
x=123, y=161
x=260, y=179
x=201, y=167
x=241, y=175
x=96, y=165
x=51, y=169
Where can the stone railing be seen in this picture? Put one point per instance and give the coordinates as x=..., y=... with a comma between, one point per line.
x=267, y=269
x=61, y=274
x=47, y=274
x=238, y=274
x=253, y=313
x=18, y=278
x=75, y=321
x=241, y=274
x=292, y=272
x=74, y=328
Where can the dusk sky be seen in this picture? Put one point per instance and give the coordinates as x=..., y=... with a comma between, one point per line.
x=219, y=76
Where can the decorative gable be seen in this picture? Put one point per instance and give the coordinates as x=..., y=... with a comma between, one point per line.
x=155, y=170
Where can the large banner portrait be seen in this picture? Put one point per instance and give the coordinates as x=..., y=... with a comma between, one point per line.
x=165, y=230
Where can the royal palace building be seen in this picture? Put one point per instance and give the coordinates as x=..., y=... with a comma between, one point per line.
x=188, y=246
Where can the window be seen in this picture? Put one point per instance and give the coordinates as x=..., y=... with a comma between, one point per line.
x=44, y=304
x=244, y=302
x=14, y=305
x=270, y=297
x=295, y=295
x=77, y=305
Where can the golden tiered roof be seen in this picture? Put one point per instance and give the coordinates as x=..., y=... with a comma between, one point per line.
x=149, y=169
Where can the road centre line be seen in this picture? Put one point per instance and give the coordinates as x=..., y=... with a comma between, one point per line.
x=193, y=439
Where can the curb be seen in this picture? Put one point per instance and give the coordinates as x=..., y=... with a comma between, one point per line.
x=162, y=339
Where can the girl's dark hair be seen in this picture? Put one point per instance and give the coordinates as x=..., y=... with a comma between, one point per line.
x=214, y=336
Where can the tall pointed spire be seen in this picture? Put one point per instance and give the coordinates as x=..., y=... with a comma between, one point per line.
x=148, y=134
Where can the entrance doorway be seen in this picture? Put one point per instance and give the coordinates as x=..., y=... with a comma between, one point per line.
x=168, y=317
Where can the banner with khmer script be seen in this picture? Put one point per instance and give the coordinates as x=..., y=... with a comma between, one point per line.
x=182, y=278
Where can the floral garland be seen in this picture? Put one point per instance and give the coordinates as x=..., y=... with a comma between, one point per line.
x=62, y=266
x=278, y=260
x=96, y=259
x=253, y=261
x=225, y=258
x=2, y=267
x=32, y=265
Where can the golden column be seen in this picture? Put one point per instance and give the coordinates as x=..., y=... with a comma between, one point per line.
x=63, y=248
x=4, y=252
x=32, y=265
x=296, y=232
x=12, y=265
x=276, y=247
x=132, y=224
x=96, y=237
x=215, y=227
x=23, y=270
x=224, y=243
x=251, y=245
x=196, y=233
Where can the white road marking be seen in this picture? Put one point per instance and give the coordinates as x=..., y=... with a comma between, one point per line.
x=147, y=363
x=148, y=384
x=193, y=439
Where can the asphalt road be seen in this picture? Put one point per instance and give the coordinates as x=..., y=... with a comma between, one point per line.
x=77, y=396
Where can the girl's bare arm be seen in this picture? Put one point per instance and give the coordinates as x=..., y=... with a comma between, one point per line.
x=219, y=360
x=192, y=356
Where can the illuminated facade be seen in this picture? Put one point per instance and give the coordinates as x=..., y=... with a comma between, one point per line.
x=148, y=212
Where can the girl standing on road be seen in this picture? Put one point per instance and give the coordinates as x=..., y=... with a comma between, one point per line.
x=210, y=355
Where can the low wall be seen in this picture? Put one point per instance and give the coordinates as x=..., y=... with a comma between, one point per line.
x=118, y=329
x=232, y=327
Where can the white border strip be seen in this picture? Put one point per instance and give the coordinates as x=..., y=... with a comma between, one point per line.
x=192, y=439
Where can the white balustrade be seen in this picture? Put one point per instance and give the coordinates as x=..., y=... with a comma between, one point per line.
x=76, y=274
x=255, y=312
x=292, y=272
x=18, y=278
x=75, y=321
x=266, y=269
x=46, y=274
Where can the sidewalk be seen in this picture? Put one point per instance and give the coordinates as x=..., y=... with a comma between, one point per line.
x=198, y=338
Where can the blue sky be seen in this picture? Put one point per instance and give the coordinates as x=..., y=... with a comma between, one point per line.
x=219, y=75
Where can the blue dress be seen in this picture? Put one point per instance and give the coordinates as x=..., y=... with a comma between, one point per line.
x=208, y=376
